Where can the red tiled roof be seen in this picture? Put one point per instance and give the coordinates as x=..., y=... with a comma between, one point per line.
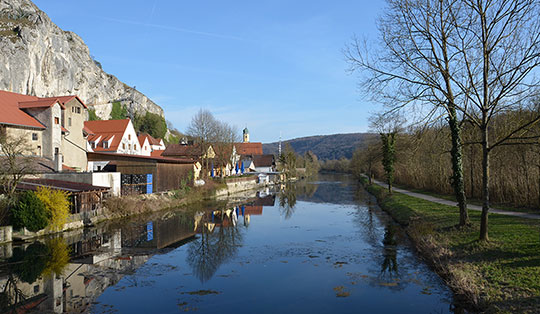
x=107, y=129
x=11, y=105
x=151, y=139
x=40, y=103
x=65, y=99
x=88, y=131
x=141, y=139
x=157, y=153
x=249, y=148
x=11, y=114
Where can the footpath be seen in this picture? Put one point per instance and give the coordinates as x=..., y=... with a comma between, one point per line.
x=452, y=203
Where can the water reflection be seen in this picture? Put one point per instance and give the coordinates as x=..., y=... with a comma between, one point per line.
x=389, y=267
x=66, y=274
x=220, y=234
x=321, y=246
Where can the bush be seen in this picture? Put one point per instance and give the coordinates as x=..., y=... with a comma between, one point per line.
x=30, y=212
x=151, y=123
x=118, y=111
x=92, y=116
x=57, y=204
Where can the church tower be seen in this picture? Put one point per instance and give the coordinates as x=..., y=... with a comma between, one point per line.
x=246, y=135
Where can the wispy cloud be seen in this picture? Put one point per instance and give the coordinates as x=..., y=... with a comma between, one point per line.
x=170, y=28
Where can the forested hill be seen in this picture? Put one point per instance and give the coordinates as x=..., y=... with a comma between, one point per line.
x=326, y=147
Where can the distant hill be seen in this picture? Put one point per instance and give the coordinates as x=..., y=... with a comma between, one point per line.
x=326, y=147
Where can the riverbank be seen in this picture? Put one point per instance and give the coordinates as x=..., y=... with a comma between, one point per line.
x=121, y=207
x=500, y=276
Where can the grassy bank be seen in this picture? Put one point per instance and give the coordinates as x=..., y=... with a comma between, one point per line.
x=500, y=276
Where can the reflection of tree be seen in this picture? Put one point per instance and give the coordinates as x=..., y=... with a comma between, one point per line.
x=211, y=249
x=10, y=295
x=287, y=200
x=58, y=256
x=389, y=267
x=29, y=264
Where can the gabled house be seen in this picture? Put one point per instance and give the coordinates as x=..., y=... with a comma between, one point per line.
x=150, y=146
x=52, y=126
x=113, y=136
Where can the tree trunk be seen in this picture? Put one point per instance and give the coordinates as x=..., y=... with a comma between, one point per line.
x=457, y=166
x=485, y=185
x=472, y=171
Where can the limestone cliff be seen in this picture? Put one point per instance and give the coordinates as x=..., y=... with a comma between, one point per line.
x=38, y=58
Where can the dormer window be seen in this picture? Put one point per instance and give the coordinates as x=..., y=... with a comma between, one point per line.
x=105, y=144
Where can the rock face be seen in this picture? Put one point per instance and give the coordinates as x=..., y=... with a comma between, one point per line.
x=38, y=58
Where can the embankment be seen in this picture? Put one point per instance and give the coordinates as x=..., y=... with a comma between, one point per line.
x=502, y=275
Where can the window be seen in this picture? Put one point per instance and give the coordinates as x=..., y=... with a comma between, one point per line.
x=36, y=288
x=78, y=109
x=56, y=120
x=105, y=144
x=56, y=151
x=129, y=146
x=34, y=137
x=69, y=121
x=39, y=150
x=123, y=145
x=129, y=136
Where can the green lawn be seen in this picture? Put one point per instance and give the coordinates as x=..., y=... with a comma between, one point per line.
x=504, y=273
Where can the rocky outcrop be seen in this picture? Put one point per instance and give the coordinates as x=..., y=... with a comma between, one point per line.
x=38, y=58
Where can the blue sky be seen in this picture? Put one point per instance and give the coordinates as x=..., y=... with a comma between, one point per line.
x=273, y=66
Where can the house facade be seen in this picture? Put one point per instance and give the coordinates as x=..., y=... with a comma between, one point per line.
x=113, y=136
x=51, y=126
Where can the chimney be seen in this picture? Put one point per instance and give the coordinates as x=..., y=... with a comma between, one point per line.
x=58, y=162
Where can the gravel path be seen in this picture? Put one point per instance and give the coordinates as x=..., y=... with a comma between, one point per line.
x=451, y=203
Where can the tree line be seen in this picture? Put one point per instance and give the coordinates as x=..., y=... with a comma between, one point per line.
x=469, y=63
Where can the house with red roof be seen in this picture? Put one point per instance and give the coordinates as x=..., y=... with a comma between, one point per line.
x=151, y=146
x=113, y=136
x=52, y=126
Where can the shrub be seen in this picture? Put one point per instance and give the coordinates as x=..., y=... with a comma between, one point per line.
x=118, y=111
x=57, y=204
x=92, y=116
x=30, y=212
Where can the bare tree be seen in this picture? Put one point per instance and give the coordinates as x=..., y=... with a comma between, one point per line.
x=15, y=163
x=472, y=59
x=501, y=51
x=415, y=67
x=203, y=129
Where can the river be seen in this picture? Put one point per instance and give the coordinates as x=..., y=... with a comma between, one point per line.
x=310, y=247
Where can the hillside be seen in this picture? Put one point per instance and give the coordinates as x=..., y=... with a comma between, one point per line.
x=38, y=58
x=325, y=147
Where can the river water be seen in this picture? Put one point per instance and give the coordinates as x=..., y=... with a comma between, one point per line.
x=309, y=247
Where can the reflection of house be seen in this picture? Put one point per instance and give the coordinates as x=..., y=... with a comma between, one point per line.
x=113, y=136
x=52, y=126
